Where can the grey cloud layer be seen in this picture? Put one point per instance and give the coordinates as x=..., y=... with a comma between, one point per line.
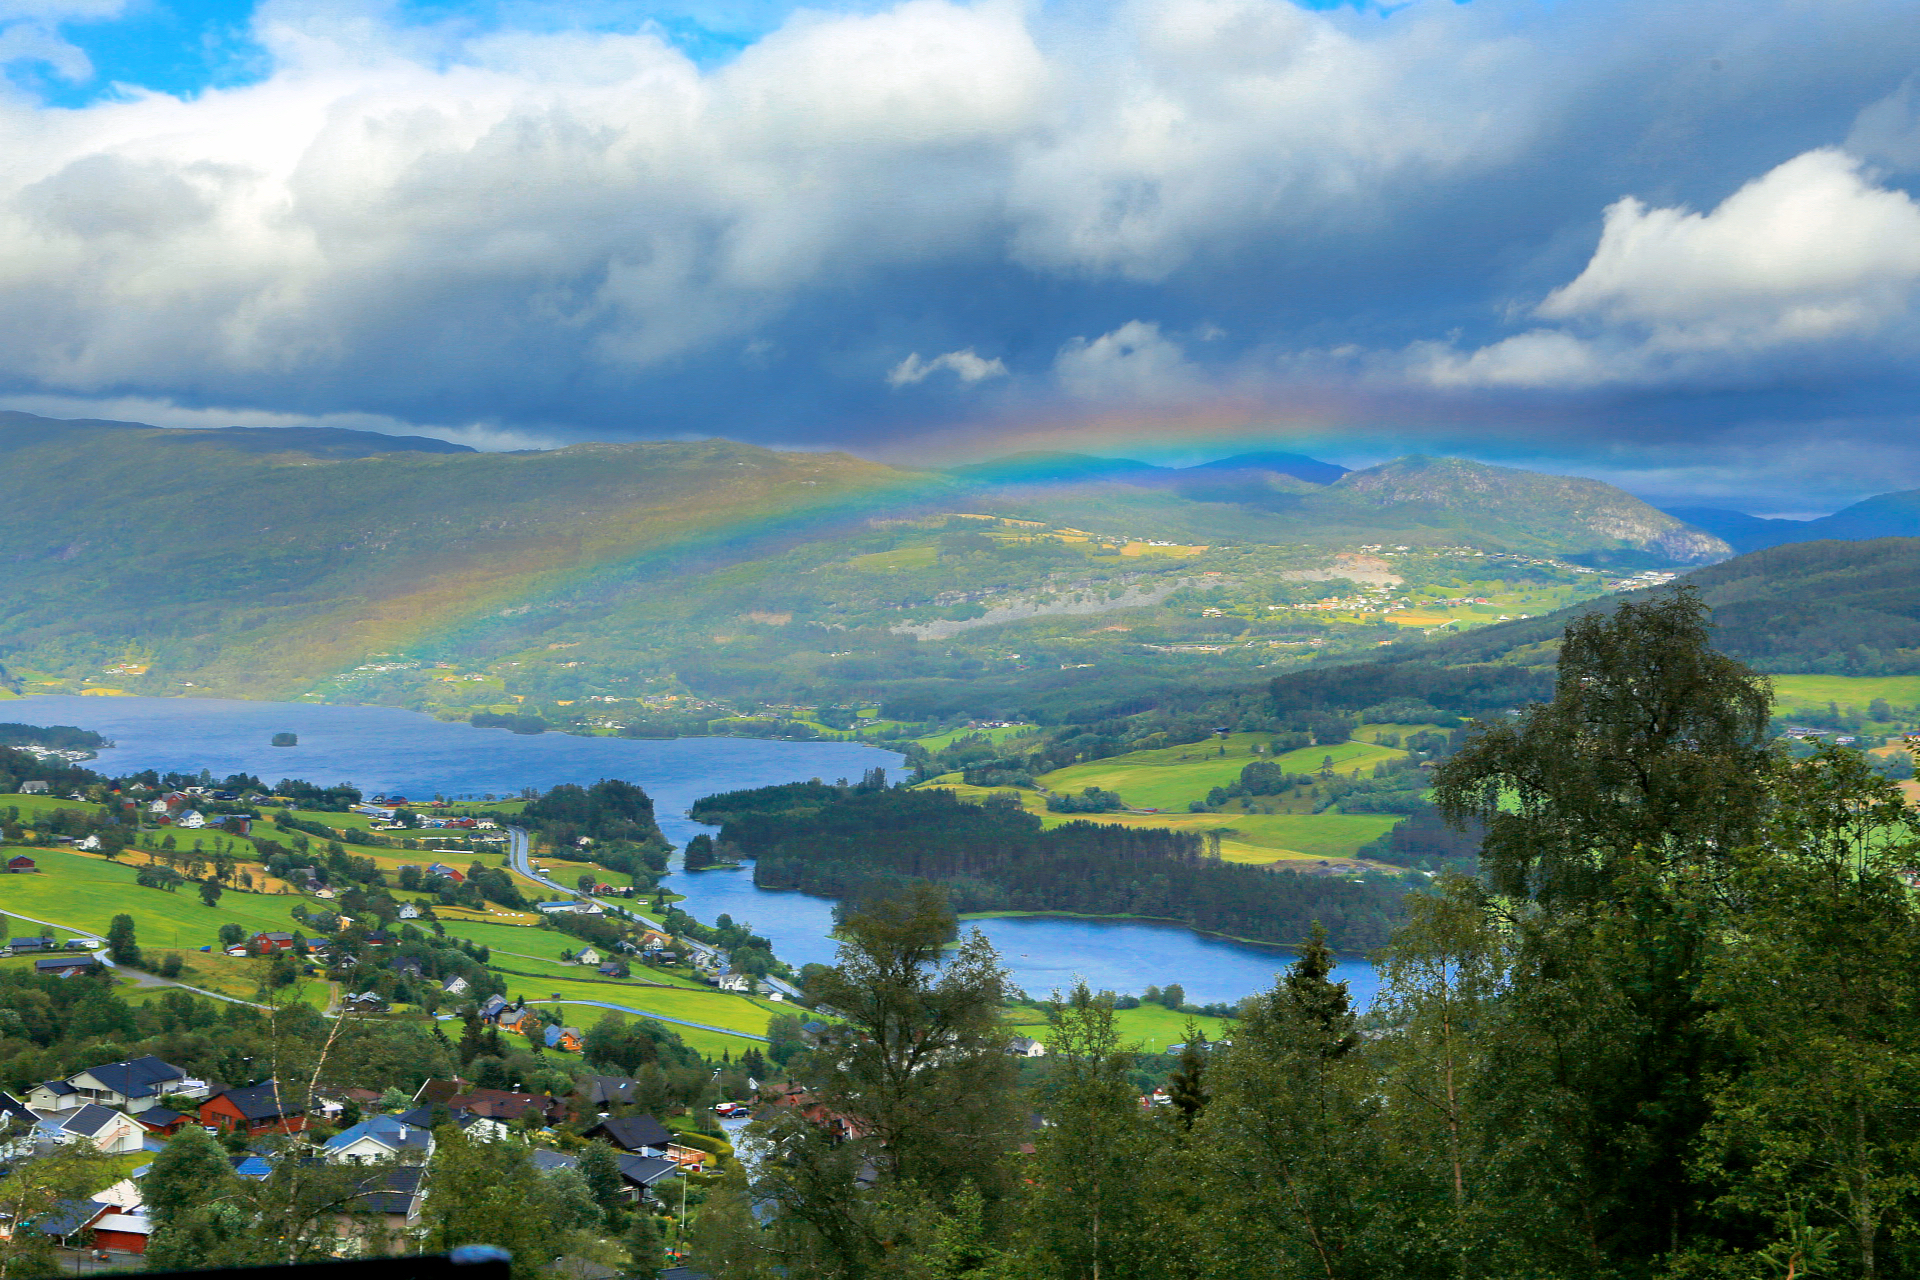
x=937, y=209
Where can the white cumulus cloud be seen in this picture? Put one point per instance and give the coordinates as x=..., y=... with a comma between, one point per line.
x=1812, y=252
x=1134, y=362
x=968, y=366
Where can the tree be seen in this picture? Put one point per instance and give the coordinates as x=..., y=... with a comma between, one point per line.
x=1288, y=1142
x=1085, y=1214
x=1173, y=995
x=38, y=1189
x=210, y=893
x=1818, y=1138
x=199, y=1209
x=1187, y=1083
x=921, y=1087
x=490, y=1193
x=121, y=947
x=1653, y=751
x=601, y=1170
x=232, y=935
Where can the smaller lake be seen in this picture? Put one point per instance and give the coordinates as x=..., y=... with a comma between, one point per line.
x=383, y=749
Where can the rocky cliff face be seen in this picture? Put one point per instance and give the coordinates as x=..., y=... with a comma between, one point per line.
x=1528, y=499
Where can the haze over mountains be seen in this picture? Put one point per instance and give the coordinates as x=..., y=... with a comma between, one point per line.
x=276, y=562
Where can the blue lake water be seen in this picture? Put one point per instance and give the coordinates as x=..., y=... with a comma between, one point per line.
x=381, y=749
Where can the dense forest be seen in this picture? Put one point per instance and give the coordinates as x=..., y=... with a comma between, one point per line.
x=866, y=842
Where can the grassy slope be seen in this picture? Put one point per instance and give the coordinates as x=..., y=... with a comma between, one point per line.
x=1170, y=777
x=1150, y=1027
x=88, y=892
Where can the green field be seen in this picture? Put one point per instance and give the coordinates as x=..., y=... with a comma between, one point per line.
x=33, y=808
x=1169, y=778
x=934, y=742
x=1151, y=1027
x=1813, y=693
x=86, y=893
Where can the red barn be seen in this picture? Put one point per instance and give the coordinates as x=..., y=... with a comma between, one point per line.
x=268, y=943
x=22, y=863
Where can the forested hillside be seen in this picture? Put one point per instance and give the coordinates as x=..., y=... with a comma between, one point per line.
x=1836, y=608
x=866, y=842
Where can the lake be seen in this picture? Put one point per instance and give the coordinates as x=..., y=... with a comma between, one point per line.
x=382, y=749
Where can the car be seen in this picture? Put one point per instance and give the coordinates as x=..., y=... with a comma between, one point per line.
x=730, y=1109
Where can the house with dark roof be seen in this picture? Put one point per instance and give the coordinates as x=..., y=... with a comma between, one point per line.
x=256, y=1109
x=471, y=1123
x=163, y=1121
x=642, y=1135
x=499, y=1104
x=105, y=1129
x=29, y=944
x=552, y=1161
x=385, y=1213
x=492, y=1007
x=639, y=1172
x=269, y=943
x=64, y=966
x=604, y=1091
x=135, y=1083
x=21, y=864
x=565, y=1039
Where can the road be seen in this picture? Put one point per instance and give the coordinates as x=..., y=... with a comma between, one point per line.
x=519, y=855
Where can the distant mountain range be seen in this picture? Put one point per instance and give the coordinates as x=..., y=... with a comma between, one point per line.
x=345, y=564
x=1890, y=515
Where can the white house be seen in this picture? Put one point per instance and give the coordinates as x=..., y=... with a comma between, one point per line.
x=454, y=986
x=734, y=982
x=1026, y=1047
x=133, y=1085
x=113, y=1133
x=587, y=955
x=380, y=1138
x=192, y=819
x=409, y=912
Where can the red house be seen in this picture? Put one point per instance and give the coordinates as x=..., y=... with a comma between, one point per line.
x=22, y=863
x=254, y=1110
x=268, y=943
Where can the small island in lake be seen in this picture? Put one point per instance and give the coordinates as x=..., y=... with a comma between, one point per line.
x=286, y=739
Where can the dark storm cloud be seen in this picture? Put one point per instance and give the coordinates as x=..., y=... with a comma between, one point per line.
x=1668, y=241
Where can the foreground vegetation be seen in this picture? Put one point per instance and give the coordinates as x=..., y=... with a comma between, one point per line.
x=1673, y=1033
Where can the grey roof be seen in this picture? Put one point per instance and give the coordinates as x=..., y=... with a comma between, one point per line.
x=422, y=1117
x=57, y=1087
x=58, y=964
x=609, y=1088
x=643, y=1171
x=69, y=1216
x=11, y=1108
x=390, y=1191
x=549, y=1161
x=159, y=1117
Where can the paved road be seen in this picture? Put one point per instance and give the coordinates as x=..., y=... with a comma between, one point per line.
x=519, y=853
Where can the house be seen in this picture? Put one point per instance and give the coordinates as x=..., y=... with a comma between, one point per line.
x=379, y=1138
x=64, y=966
x=565, y=1039
x=734, y=982
x=642, y=1135
x=779, y=988
x=20, y=864
x=30, y=944
x=33, y=788
x=608, y=970
x=192, y=819
x=108, y=1130
x=384, y=1215
x=475, y=1126
x=499, y=1104
x=409, y=966
x=604, y=1091
x=256, y=1109
x=17, y=1125
x=442, y=869
x=552, y=1161
x=654, y=940
x=162, y=1120
x=639, y=1173
x=513, y=1019
x=122, y=1232
x=587, y=955
x=1026, y=1047
x=269, y=943
x=454, y=986
x=366, y=1002
x=408, y=911
x=133, y=1085
x=492, y=1007
x=89, y=844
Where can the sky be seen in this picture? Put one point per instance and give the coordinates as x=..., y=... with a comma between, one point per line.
x=1672, y=246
